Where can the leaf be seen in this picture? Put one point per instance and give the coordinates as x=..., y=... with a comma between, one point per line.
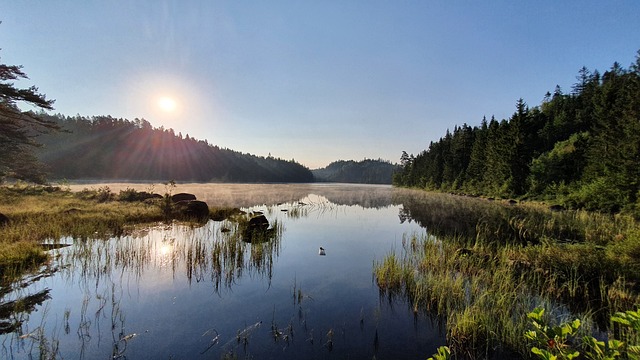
x=531, y=335
x=573, y=355
x=543, y=354
x=621, y=319
x=615, y=344
x=575, y=324
x=536, y=314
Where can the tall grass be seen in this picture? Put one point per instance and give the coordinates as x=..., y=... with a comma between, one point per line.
x=477, y=293
x=46, y=214
x=486, y=265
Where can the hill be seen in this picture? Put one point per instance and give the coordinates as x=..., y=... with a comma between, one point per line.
x=363, y=172
x=102, y=147
x=580, y=149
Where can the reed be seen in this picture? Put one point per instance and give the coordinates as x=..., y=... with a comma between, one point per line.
x=47, y=214
x=484, y=292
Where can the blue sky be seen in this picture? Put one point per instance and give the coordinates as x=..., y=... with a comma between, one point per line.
x=312, y=81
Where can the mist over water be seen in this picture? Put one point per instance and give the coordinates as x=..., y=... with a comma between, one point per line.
x=184, y=292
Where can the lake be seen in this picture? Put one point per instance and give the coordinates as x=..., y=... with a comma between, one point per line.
x=172, y=291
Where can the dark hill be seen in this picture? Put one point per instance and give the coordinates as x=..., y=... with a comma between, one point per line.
x=103, y=147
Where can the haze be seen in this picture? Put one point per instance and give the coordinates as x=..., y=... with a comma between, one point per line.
x=314, y=82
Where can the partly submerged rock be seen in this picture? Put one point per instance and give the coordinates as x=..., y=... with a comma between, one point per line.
x=258, y=230
x=259, y=222
x=192, y=209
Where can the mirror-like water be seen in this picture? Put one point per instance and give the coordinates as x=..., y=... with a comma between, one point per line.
x=180, y=292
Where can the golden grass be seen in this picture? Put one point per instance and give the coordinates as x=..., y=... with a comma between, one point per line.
x=44, y=214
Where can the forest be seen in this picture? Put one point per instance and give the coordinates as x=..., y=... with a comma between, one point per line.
x=367, y=171
x=103, y=147
x=579, y=149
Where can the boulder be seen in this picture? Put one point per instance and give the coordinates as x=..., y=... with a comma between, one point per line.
x=192, y=209
x=259, y=222
x=4, y=220
x=182, y=197
x=257, y=230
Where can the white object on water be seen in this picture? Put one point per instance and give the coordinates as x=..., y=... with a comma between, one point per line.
x=321, y=251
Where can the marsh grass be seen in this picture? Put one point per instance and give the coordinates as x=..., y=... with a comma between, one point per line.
x=47, y=214
x=482, y=301
x=486, y=264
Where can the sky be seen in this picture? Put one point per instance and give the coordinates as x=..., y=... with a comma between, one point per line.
x=313, y=81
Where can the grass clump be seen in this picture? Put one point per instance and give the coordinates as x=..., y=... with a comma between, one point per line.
x=40, y=214
x=482, y=275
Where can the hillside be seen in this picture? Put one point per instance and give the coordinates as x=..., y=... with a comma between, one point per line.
x=580, y=149
x=364, y=172
x=103, y=147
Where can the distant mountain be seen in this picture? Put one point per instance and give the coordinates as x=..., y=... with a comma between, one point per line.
x=363, y=172
x=102, y=147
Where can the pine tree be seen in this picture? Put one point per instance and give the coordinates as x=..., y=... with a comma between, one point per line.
x=18, y=129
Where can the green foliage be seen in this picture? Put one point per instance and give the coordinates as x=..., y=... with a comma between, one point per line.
x=580, y=148
x=18, y=129
x=599, y=194
x=554, y=341
x=443, y=354
x=561, y=341
x=562, y=164
x=484, y=263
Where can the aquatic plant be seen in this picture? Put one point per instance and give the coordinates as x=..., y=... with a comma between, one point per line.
x=562, y=341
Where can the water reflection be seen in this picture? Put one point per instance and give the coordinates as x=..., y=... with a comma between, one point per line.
x=219, y=290
x=218, y=251
x=250, y=195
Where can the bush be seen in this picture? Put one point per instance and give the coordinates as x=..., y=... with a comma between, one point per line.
x=601, y=194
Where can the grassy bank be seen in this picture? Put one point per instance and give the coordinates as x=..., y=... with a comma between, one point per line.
x=485, y=272
x=40, y=214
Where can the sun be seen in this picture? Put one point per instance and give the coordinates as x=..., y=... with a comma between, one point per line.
x=167, y=104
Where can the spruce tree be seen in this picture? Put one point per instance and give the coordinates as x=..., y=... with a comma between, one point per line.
x=19, y=129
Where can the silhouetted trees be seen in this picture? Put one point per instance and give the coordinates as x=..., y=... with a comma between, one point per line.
x=18, y=129
x=582, y=148
x=103, y=147
x=366, y=171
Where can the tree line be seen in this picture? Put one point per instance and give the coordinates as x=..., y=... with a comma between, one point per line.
x=367, y=171
x=103, y=147
x=581, y=149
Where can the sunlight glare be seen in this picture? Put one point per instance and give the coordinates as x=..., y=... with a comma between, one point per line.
x=167, y=104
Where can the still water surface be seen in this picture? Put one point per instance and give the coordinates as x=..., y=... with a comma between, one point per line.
x=180, y=292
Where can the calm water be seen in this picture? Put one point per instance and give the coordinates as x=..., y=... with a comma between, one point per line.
x=177, y=292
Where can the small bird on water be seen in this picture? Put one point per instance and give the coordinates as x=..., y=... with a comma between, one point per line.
x=321, y=251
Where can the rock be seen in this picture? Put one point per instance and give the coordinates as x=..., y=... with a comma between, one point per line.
x=4, y=220
x=259, y=222
x=192, y=209
x=512, y=202
x=257, y=230
x=182, y=197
